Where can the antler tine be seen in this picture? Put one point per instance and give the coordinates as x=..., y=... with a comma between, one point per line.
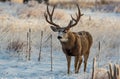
x=69, y=25
x=50, y=15
x=78, y=15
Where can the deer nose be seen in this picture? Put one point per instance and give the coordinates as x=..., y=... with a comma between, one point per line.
x=59, y=37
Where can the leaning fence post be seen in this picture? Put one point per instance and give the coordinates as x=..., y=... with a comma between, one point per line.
x=40, y=46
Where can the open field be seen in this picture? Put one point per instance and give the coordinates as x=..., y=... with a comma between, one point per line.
x=99, y=5
x=15, y=21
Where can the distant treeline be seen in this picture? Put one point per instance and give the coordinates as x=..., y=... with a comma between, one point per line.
x=25, y=1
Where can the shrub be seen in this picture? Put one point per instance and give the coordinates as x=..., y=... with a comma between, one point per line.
x=16, y=46
x=104, y=2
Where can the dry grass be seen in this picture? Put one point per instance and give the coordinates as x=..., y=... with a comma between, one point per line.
x=101, y=73
x=17, y=1
x=15, y=22
x=16, y=46
x=99, y=5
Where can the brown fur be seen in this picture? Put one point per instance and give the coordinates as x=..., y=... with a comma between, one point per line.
x=78, y=45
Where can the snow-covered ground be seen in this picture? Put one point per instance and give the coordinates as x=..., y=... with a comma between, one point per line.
x=16, y=19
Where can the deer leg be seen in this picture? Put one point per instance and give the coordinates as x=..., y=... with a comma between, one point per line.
x=80, y=62
x=75, y=65
x=85, y=60
x=68, y=63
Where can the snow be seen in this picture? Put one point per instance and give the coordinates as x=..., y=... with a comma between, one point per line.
x=14, y=68
x=14, y=24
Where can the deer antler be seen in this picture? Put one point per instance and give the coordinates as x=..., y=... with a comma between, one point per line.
x=78, y=15
x=50, y=21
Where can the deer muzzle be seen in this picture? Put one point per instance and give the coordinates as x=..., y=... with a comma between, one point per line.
x=59, y=37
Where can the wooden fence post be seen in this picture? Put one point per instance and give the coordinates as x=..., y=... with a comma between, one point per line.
x=51, y=54
x=29, y=44
x=94, y=67
x=96, y=5
x=40, y=46
x=99, y=50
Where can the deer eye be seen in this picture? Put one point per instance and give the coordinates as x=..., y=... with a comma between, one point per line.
x=65, y=31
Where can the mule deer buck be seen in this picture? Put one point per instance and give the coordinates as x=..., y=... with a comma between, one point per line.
x=75, y=44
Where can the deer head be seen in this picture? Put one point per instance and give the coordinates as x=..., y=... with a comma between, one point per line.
x=62, y=31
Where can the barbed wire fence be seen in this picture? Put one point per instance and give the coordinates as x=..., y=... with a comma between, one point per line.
x=44, y=40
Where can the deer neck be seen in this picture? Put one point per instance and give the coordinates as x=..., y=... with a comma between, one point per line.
x=71, y=41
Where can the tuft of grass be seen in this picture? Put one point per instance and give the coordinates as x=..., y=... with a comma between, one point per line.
x=16, y=46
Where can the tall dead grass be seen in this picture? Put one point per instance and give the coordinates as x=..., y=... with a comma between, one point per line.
x=14, y=23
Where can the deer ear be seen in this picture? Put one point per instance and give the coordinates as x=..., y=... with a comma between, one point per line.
x=54, y=28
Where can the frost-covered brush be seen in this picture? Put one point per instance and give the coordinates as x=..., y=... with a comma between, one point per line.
x=75, y=44
x=115, y=72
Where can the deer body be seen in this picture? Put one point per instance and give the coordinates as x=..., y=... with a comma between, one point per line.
x=78, y=45
x=75, y=44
